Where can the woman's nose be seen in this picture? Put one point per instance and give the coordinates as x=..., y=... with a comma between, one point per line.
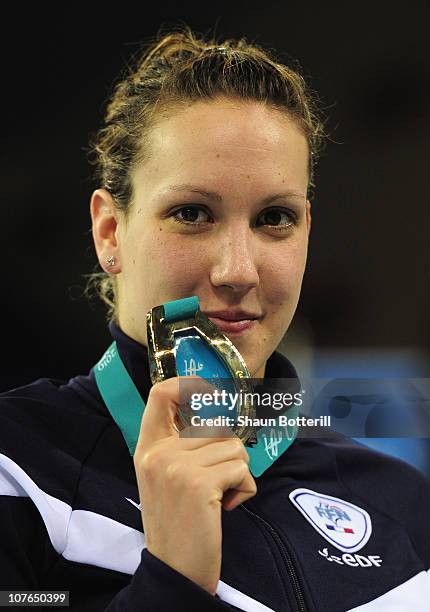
x=235, y=261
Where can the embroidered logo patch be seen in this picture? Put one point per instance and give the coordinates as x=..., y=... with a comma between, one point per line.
x=341, y=523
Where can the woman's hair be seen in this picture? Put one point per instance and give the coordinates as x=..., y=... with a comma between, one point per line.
x=177, y=69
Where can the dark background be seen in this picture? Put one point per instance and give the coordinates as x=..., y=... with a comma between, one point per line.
x=367, y=281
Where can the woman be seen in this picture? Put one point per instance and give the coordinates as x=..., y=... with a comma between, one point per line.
x=204, y=165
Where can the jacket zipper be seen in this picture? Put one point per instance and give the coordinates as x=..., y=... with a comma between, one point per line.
x=292, y=574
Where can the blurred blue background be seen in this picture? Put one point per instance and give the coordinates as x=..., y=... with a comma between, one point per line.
x=396, y=370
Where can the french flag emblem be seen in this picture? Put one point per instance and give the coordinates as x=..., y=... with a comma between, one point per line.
x=341, y=529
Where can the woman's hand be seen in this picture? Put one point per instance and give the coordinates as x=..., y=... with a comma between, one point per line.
x=183, y=481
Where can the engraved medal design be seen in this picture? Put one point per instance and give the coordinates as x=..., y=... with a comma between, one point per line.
x=182, y=341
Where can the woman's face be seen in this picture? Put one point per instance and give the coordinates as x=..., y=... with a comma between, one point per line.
x=220, y=212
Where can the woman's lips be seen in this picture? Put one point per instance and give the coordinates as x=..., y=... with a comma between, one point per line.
x=233, y=327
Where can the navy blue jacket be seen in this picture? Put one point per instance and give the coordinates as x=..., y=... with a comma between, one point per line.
x=334, y=526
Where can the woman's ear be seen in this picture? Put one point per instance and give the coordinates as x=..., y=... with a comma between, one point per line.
x=308, y=216
x=104, y=215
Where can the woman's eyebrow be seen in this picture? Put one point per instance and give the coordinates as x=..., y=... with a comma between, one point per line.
x=213, y=195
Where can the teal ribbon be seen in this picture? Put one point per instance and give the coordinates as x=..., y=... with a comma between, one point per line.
x=120, y=395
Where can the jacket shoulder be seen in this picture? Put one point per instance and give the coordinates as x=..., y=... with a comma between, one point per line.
x=47, y=423
x=49, y=406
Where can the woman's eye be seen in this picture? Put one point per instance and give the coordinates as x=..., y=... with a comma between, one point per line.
x=191, y=215
x=278, y=218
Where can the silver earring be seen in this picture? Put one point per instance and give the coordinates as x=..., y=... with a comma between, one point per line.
x=111, y=261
